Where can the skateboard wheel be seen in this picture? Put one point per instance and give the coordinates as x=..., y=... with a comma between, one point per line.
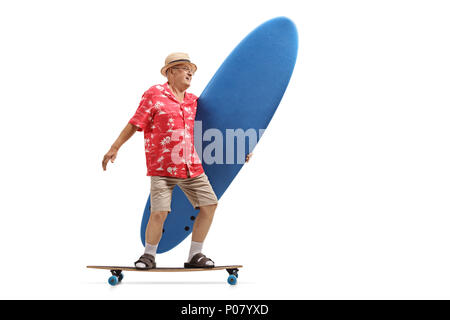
x=232, y=279
x=120, y=277
x=113, y=280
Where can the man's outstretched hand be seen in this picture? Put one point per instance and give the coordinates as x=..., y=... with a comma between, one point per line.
x=109, y=156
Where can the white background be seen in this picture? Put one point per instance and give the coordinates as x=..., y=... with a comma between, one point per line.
x=346, y=197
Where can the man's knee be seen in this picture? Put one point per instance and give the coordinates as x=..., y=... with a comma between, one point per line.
x=210, y=208
x=159, y=216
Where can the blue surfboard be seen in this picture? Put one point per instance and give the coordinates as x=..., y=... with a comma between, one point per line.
x=239, y=101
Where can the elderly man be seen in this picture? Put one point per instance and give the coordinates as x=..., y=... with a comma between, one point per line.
x=166, y=114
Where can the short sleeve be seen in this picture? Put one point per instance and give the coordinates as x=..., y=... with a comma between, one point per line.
x=143, y=115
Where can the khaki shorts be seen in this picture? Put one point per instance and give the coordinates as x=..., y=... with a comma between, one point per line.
x=198, y=190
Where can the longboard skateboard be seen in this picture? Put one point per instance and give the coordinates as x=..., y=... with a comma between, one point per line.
x=117, y=275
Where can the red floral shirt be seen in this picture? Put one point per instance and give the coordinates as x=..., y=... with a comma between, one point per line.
x=168, y=132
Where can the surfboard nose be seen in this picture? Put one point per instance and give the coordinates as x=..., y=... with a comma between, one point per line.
x=281, y=32
x=288, y=23
x=281, y=22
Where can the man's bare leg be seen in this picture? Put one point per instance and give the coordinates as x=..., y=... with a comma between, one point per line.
x=200, y=230
x=203, y=223
x=155, y=224
x=153, y=235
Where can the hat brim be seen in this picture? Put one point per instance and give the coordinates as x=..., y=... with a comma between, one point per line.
x=176, y=63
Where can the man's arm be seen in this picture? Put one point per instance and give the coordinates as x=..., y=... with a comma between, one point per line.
x=126, y=134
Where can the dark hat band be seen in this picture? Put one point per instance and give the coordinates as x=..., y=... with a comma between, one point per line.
x=180, y=60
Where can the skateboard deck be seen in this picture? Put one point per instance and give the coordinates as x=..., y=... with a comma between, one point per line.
x=117, y=275
x=242, y=96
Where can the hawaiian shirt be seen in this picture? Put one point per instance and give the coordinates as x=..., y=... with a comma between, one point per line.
x=168, y=133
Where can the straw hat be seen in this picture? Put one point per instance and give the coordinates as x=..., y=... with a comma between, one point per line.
x=177, y=58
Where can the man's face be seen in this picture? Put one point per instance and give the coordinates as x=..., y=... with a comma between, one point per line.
x=182, y=74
